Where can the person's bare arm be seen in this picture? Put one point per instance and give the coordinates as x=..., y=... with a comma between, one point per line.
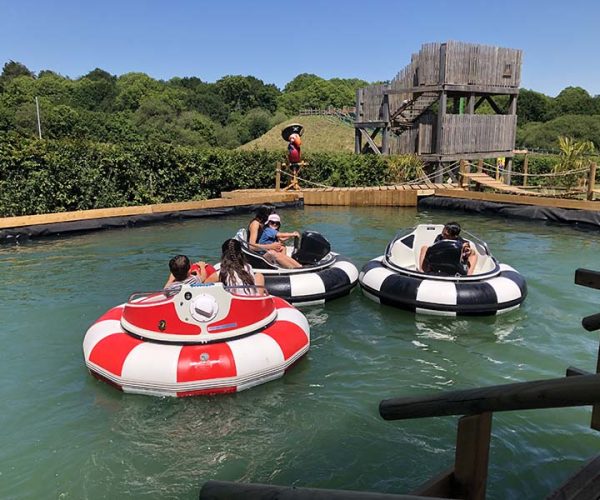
x=169, y=281
x=213, y=278
x=287, y=236
x=253, y=237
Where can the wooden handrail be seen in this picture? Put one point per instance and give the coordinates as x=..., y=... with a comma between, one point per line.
x=552, y=393
x=219, y=490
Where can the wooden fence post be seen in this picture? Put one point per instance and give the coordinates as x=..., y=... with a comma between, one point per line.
x=278, y=176
x=472, y=456
x=462, y=170
x=591, y=181
x=525, y=169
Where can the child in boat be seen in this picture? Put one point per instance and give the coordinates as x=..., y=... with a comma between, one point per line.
x=184, y=273
x=235, y=271
x=468, y=258
x=271, y=234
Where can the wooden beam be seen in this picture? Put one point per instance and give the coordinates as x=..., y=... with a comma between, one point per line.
x=357, y=141
x=521, y=199
x=591, y=182
x=552, y=393
x=450, y=87
x=494, y=106
x=370, y=140
x=471, y=104
x=441, y=485
x=472, y=456
x=479, y=102
x=373, y=124
x=221, y=490
x=385, y=148
x=587, y=278
x=583, y=485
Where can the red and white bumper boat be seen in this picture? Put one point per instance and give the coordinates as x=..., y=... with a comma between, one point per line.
x=202, y=340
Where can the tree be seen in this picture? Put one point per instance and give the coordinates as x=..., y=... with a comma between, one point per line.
x=545, y=135
x=301, y=82
x=242, y=93
x=11, y=70
x=132, y=88
x=532, y=106
x=254, y=124
x=573, y=101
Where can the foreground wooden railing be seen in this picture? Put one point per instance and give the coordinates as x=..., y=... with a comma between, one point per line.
x=468, y=477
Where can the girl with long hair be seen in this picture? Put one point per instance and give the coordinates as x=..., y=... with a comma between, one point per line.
x=236, y=272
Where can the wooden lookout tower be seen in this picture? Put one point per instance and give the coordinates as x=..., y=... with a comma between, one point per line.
x=432, y=108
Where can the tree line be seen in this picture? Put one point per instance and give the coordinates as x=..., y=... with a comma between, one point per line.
x=231, y=111
x=135, y=107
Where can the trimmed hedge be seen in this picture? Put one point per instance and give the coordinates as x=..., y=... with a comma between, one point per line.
x=63, y=175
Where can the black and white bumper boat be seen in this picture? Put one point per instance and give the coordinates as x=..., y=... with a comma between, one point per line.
x=394, y=279
x=324, y=275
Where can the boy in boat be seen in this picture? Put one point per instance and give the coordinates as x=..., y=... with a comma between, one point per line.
x=271, y=234
x=184, y=273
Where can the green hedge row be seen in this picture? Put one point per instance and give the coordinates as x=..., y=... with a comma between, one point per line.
x=62, y=175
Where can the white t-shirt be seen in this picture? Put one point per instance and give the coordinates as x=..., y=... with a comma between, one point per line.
x=234, y=280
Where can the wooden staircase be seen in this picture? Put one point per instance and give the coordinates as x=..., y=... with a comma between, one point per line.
x=411, y=109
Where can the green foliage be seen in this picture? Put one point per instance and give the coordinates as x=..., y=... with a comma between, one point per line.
x=405, y=168
x=63, y=175
x=11, y=70
x=572, y=157
x=242, y=93
x=545, y=135
x=315, y=93
x=572, y=101
x=532, y=106
x=536, y=164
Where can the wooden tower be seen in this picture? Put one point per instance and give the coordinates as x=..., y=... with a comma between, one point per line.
x=432, y=108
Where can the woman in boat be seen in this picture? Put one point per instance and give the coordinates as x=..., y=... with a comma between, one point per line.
x=274, y=251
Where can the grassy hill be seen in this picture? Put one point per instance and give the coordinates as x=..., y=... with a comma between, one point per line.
x=321, y=133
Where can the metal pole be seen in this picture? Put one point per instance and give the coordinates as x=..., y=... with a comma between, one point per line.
x=37, y=107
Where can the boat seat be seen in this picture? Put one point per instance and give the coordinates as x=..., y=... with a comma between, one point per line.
x=444, y=258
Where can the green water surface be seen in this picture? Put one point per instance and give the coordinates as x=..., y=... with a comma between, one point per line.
x=66, y=435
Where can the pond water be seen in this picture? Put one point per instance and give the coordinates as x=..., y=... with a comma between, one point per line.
x=66, y=435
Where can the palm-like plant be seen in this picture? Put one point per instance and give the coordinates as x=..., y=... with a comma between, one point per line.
x=573, y=157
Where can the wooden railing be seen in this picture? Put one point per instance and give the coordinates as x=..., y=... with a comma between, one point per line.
x=468, y=478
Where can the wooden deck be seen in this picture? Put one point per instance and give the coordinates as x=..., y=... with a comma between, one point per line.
x=253, y=198
x=402, y=195
x=489, y=182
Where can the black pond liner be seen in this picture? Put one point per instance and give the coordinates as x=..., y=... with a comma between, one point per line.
x=16, y=234
x=584, y=218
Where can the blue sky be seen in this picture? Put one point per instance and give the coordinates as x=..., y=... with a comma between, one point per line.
x=275, y=41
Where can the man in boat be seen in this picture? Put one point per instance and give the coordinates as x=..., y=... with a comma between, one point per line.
x=450, y=254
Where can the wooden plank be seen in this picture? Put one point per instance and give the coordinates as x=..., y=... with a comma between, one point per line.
x=552, y=393
x=583, y=485
x=521, y=199
x=29, y=220
x=440, y=486
x=220, y=490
